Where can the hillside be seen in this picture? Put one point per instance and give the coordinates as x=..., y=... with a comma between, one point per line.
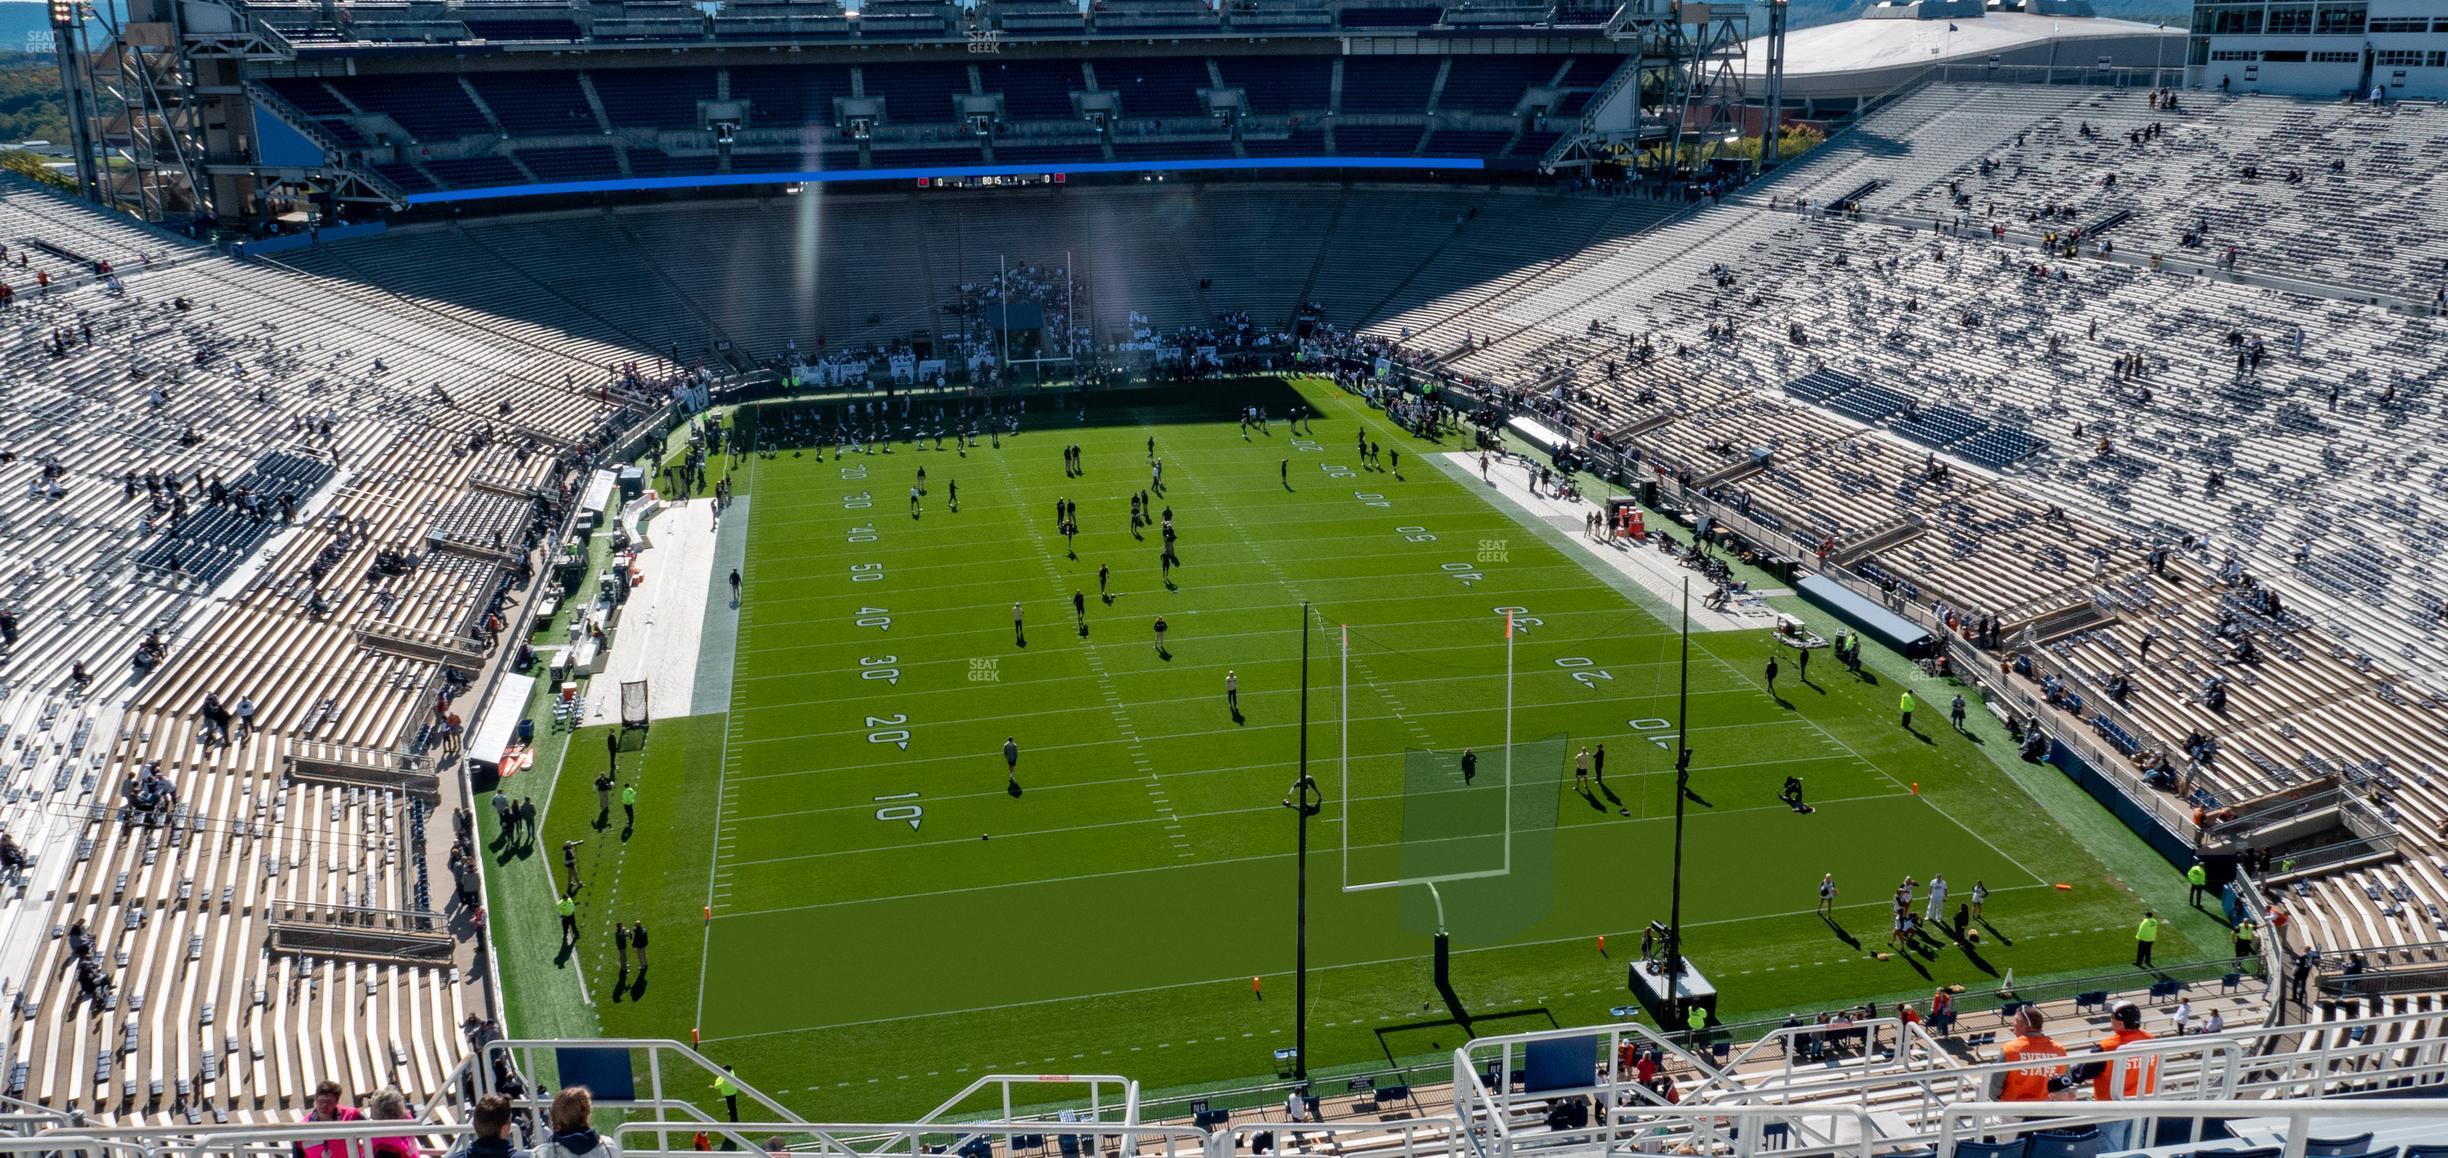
x=30, y=104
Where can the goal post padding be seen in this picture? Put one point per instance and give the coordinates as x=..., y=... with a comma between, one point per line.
x=633, y=704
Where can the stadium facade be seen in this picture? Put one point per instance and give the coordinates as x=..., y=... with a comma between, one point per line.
x=2398, y=48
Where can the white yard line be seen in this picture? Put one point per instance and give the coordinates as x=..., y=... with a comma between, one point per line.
x=974, y=1010
x=722, y=799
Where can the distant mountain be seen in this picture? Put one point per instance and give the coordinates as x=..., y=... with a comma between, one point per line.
x=1808, y=13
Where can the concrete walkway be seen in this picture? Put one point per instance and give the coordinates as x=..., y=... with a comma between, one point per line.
x=662, y=627
x=1652, y=572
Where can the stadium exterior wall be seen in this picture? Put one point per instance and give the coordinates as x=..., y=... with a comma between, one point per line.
x=2249, y=46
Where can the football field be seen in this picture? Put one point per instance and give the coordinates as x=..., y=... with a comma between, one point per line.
x=893, y=913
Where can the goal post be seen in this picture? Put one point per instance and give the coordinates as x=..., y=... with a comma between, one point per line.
x=1468, y=843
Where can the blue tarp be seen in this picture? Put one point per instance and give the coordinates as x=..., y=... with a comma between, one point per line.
x=1879, y=623
x=282, y=147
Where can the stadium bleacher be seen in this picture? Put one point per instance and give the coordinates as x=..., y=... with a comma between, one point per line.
x=2306, y=471
x=274, y=921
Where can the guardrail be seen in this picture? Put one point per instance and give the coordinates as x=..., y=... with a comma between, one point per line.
x=2291, y=1123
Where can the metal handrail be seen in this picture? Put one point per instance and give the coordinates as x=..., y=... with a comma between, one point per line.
x=2015, y=1119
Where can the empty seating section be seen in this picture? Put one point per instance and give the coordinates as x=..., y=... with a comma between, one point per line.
x=1155, y=86
x=407, y=176
x=1154, y=16
x=1297, y=143
x=430, y=106
x=1047, y=154
x=655, y=98
x=1377, y=140
x=204, y=547
x=1034, y=90
x=1388, y=84
x=656, y=163
x=1167, y=150
x=1413, y=17
x=473, y=171
x=1821, y=385
x=376, y=414
x=1494, y=84
x=1280, y=85
x=1465, y=142
x=508, y=30
x=1868, y=403
x=783, y=96
x=917, y=92
x=536, y=104
x=593, y=162
x=1937, y=426
x=518, y=125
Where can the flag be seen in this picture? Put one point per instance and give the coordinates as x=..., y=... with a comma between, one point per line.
x=1952, y=28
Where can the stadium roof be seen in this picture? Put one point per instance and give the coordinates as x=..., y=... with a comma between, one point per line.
x=1874, y=45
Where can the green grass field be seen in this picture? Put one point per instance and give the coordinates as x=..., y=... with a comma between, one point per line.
x=891, y=917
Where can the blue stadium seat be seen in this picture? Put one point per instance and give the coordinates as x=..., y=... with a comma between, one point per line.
x=1298, y=143
x=536, y=104
x=1047, y=154
x=790, y=96
x=652, y=98
x=2009, y=1149
x=1420, y=17
x=1493, y=84
x=917, y=93
x=1279, y=86
x=2084, y=1143
x=1033, y=90
x=1466, y=143
x=475, y=172
x=431, y=106
x=2337, y=1147
x=1377, y=140
x=593, y=163
x=1387, y=84
x=1156, y=86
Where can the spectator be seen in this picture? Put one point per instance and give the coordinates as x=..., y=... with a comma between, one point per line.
x=2036, y=1081
x=390, y=1105
x=573, y=1129
x=2141, y=1077
x=490, y=1123
x=328, y=1108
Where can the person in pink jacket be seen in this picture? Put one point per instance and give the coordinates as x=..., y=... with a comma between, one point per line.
x=328, y=1108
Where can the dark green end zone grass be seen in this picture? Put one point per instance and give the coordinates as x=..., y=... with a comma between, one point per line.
x=893, y=917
